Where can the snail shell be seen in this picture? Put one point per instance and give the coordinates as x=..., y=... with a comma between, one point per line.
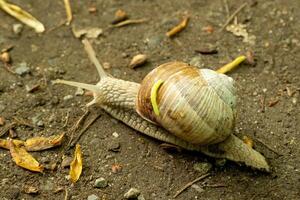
x=196, y=105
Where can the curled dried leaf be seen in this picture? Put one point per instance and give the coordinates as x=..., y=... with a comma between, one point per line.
x=23, y=159
x=120, y=15
x=180, y=27
x=76, y=165
x=22, y=15
x=5, y=143
x=42, y=143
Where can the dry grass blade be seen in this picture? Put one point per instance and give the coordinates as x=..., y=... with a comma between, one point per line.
x=22, y=15
x=68, y=11
x=230, y=18
x=129, y=21
x=42, y=143
x=178, y=28
x=76, y=165
x=230, y=66
x=23, y=159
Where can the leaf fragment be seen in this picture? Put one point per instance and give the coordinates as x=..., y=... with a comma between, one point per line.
x=42, y=143
x=22, y=15
x=5, y=143
x=76, y=165
x=23, y=159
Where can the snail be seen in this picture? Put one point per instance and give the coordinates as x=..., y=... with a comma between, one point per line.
x=179, y=104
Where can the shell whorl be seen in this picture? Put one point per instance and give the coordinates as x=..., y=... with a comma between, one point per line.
x=195, y=105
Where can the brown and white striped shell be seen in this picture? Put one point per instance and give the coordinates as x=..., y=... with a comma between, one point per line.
x=196, y=105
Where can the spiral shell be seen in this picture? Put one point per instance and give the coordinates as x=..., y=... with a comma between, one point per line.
x=197, y=105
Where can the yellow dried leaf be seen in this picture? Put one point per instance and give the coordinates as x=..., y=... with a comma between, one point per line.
x=5, y=143
x=23, y=159
x=248, y=141
x=22, y=15
x=42, y=143
x=76, y=165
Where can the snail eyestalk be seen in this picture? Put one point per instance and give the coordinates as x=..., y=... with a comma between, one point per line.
x=153, y=96
x=230, y=66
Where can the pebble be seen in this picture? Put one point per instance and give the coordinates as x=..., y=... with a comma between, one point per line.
x=141, y=197
x=68, y=97
x=79, y=92
x=22, y=69
x=155, y=41
x=100, y=183
x=40, y=123
x=17, y=28
x=115, y=134
x=114, y=146
x=66, y=161
x=197, y=188
x=196, y=61
x=132, y=193
x=93, y=197
x=202, y=167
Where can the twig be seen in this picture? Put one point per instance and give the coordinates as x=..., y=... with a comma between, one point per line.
x=178, y=28
x=68, y=11
x=7, y=127
x=190, y=184
x=21, y=121
x=75, y=127
x=130, y=21
x=83, y=130
x=67, y=119
x=66, y=194
x=227, y=8
x=268, y=147
x=233, y=15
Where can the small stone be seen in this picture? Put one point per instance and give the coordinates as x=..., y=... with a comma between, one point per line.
x=66, y=161
x=155, y=41
x=100, y=183
x=32, y=88
x=196, y=61
x=114, y=146
x=34, y=48
x=138, y=60
x=197, y=188
x=79, y=92
x=30, y=189
x=202, y=167
x=141, y=197
x=22, y=69
x=93, y=197
x=17, y=28
x=68, y=97
x=5, y=57
x=132, y=193
x=106, y=65
x=115, y=134
x=40, y=123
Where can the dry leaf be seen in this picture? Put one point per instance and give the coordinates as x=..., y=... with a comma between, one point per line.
x=116, y=168
x=23, y=159
x=120, y=15
x=42, y=143
x=22, y=15
x=87, y=32
x=5, y=143
x=180, y=27
x=240, y=31
x=28, y=189
x=76, y=165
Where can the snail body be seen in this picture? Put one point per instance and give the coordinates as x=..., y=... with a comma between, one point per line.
x=196, y=108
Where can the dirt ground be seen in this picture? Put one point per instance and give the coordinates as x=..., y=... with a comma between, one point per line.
x=157, y=173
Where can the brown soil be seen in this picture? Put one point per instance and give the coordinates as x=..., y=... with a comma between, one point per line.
x=158, y=174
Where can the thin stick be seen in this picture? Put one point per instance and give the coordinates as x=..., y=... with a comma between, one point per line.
x=75, y=127
x=68, y=11
x=268, y=147
x=230, y=66
x=66, y=194
x=130, y=21
x=7, y=127
x=233, y=15
x=92, y=55
x=190, y=184
x=227, y=8
x=73, y=143
x=180, y=27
